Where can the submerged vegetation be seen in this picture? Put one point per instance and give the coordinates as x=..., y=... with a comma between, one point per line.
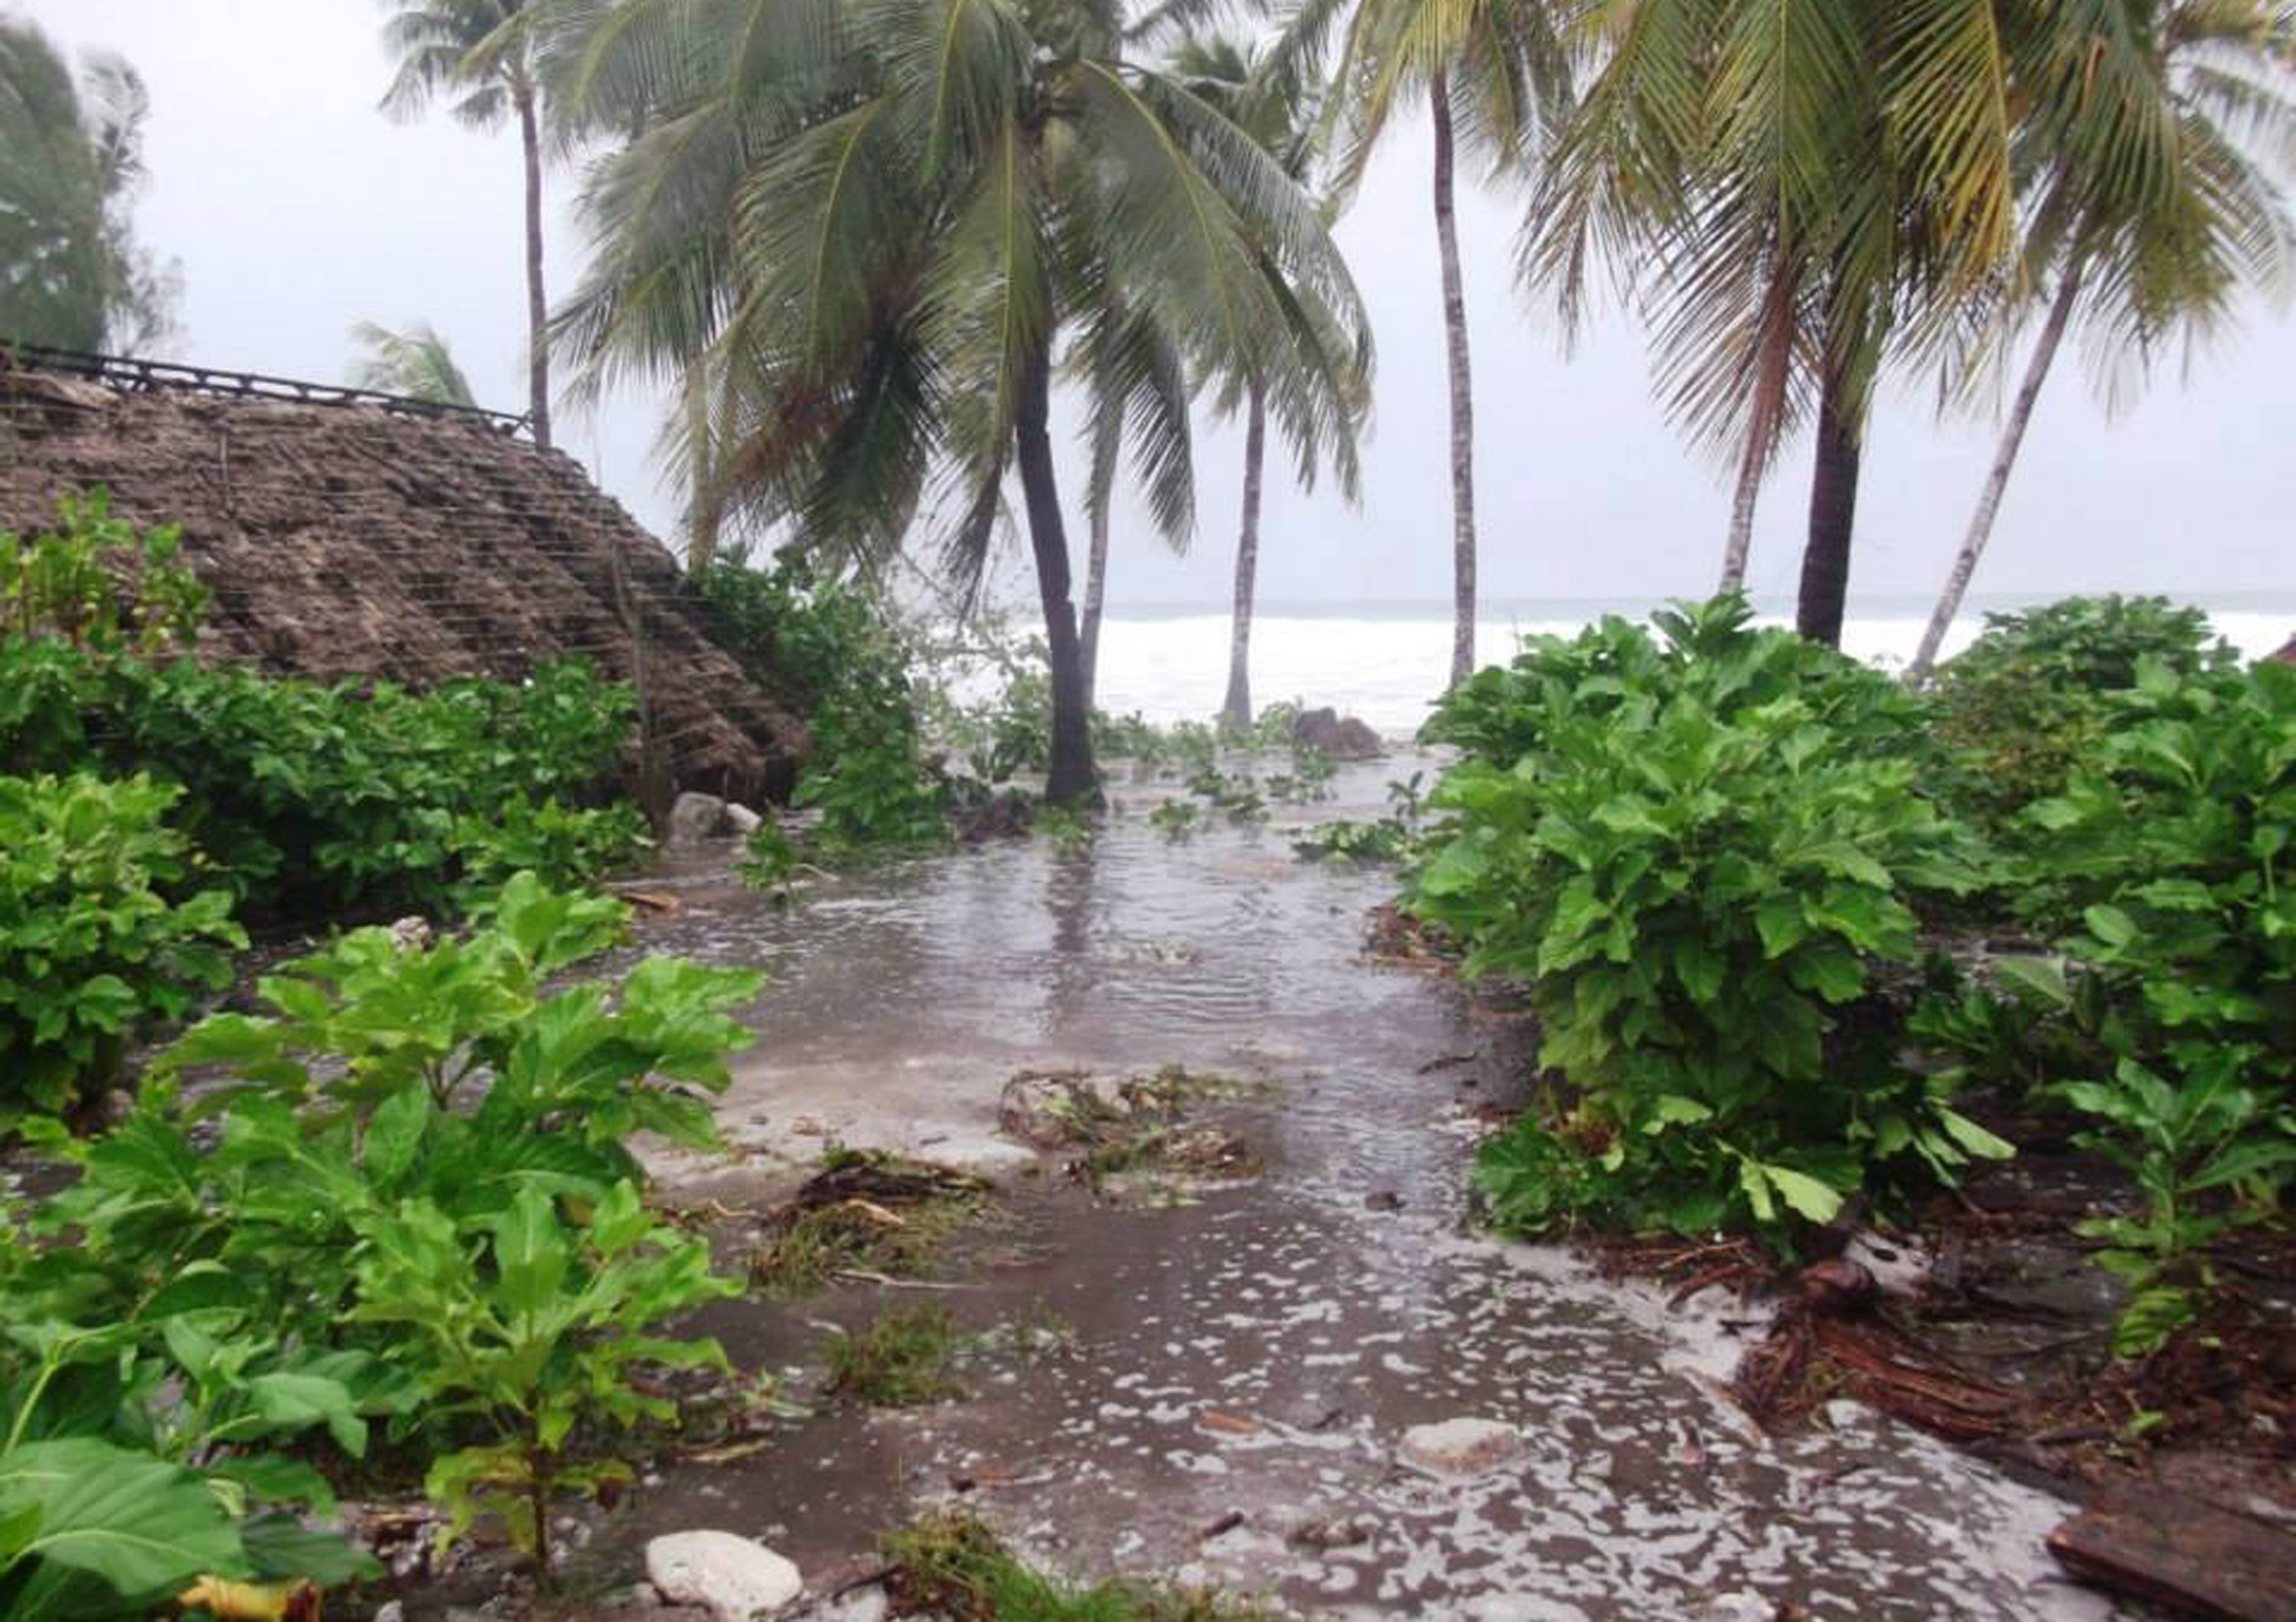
x=954, y=1566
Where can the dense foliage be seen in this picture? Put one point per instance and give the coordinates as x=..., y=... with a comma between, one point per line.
x=2031, y=696
x=102, y=931
x=1693, y=850
x=304, y=797
x=2167, y=1019
x=418, y=1212
x=833, y=652
x=1716, y=856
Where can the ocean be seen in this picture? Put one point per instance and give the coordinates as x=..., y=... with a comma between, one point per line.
x=1386, y=662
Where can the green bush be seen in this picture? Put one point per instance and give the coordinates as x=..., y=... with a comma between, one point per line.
x=93, y=582
x=306, y=798
x=2028, y=699
x=2161, y=871
x=102, y=934
x=1692, y=850
x=417, y=1207
x=833, y=653
x=531, y=1324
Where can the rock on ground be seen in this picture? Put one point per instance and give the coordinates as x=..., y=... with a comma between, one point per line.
x=738, y=1579
x=1342, y=737
x=1460, y=1448
x=695, y=818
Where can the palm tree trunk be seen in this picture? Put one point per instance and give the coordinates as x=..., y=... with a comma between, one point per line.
x=1236, y=711
x=1096, y=592
x=1833, y=510
x=1741, y=522
x=538, y=305
x=1072, y=779
x=1770, y=377
x=1997, y=481
x=1463, y=394
x=705, y=509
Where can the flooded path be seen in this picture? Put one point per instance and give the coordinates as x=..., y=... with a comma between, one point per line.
x=1237, y=1374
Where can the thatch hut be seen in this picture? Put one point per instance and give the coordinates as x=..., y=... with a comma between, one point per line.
x=345, y=535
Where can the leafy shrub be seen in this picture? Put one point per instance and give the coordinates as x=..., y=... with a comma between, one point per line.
x=420, y=1208
x=358, y=1024
x=101, y=935
x=2159, y=871
x=1691, y=851
x=67, y=583
x=2023, y=704
x=531, y=1331
x=836, y=657
x=306, y=798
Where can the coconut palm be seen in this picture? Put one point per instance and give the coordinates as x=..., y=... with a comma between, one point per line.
x=415, y=365
x=1276, y=111
x=71, y=159
x=1491, y=72
x=1130, y=361
x=1800, y=190
x=2157, y=153
x=885, y=232
x=480, y=55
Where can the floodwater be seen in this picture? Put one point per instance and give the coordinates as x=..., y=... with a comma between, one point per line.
x=1237, y=1372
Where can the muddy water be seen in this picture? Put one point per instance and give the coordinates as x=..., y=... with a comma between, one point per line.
x=1238, y=1373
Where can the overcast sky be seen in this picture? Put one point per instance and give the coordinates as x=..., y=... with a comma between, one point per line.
x=296, y=210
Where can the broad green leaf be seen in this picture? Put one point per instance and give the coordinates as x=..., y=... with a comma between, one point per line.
x=1805, y=1193
x=2041, y=979
x=141, y=1527
x=1974, y=1138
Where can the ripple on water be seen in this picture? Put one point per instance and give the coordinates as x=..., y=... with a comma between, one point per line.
x=1264, y=1351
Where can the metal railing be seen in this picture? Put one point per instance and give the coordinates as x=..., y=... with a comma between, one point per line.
x=144, y=376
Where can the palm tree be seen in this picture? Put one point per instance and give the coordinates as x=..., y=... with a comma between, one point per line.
x=71, y=159
x=1802, y=190
x=1491, y=70
x=881, y=232
x=2158, y=150
x=415, y=365
x=481, y=53
x=1277, y=111
x=1130, y=361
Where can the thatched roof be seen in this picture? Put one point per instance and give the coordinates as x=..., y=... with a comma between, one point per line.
x=350, y=540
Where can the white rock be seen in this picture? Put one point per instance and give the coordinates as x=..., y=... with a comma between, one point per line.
x=390, y=1611
x=1460, y=1448
x=737, y=1579
x=696, y=817
x=741, y=820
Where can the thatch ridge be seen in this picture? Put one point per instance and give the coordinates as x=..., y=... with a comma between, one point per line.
x=345, y=541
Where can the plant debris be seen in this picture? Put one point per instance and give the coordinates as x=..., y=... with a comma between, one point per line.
x=953, y=1566
x=1139, y=1126
x=867, y=1213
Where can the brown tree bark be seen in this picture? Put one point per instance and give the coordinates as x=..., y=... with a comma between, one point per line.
x=1236, y=709
x=1463, y=393
x=1997, y=480
x=1833, y=510
x=1073, y=780
x=538, y=305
